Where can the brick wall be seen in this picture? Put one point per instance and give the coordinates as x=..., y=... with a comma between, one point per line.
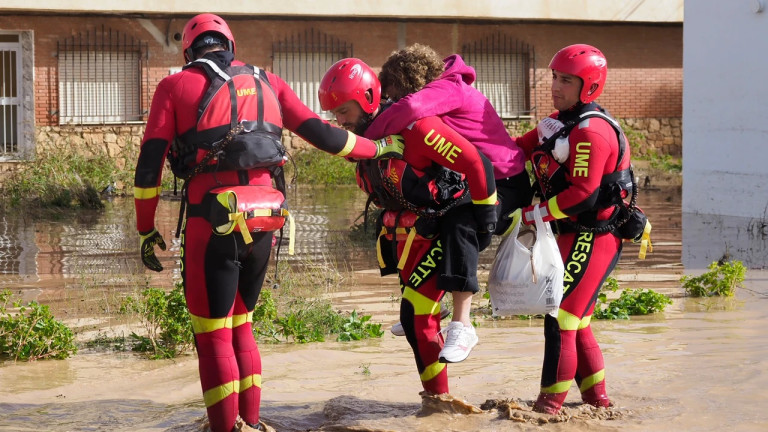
x=645, y=61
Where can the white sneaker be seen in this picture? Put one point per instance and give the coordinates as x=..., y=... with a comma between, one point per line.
x=459, y=341
x=398, y=330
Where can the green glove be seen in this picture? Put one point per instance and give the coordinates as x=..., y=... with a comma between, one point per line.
x=389, y=147
x=147, y=242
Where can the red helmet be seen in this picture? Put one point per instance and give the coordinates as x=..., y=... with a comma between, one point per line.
x=349, y=79
x=587, y=63
x=204, y=23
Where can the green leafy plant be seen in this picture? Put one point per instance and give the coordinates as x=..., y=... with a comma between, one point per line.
x=721, y=280
x=166, y=320
x=357, y=328
x=32, y=333
x=630, y=302
x=265, y=317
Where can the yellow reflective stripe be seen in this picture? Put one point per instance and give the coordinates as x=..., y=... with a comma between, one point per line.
x=219, y=393
x=490, y=200
x=567, y=320
x=558, y=387
x=406, y=249
x=382, y=264
x=645, y=240
x=585, y=322
x=590, y=381
x=432, y=371
x=348, y=146
x=291, y=230
x=554, y=209
x=146, y=193
x=422, y=305
x=240, y=319
x=207, y=325
x=250, y=381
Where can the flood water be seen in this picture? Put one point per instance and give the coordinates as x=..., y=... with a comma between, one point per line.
x=698, y=366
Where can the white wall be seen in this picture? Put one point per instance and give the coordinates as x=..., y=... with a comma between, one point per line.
x=725, y=108
x=725, y=132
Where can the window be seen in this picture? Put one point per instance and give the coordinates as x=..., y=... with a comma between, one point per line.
x=503, y=69
x=100, y=79
x=10, y=97
x=302, y=61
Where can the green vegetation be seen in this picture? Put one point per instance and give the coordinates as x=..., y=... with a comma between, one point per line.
x=63, y=179
x=315, y=167
x=357, y=327
x=32, y=333
x=295, y=311
x=662, y=162
x=298, y=311
x=165, y=318
x=630, y=302
x=721, y=280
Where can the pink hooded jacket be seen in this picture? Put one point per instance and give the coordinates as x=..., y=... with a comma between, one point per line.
x=462, y=107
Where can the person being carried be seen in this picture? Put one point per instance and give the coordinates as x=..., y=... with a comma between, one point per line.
x=422, y=85
x=220, y=114
x=582, y=163
x=416, y=194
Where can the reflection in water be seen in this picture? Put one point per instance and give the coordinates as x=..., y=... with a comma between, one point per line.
x=105, y=242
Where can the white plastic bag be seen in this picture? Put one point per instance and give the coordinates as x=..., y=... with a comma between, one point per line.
x=527, y=273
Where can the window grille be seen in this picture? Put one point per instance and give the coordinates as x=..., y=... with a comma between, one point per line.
x=10, y=94
x=302, y=60
x=504, y=67
x=100, y=78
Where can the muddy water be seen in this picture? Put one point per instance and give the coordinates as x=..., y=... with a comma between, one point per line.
x=699, y=366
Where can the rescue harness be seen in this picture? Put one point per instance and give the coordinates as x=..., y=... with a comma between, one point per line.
x=245, y=145
x=628, y=221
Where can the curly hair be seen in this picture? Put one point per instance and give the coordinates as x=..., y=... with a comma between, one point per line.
x=410, y=69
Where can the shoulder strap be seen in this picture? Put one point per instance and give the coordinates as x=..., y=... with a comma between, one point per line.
x=549, y=144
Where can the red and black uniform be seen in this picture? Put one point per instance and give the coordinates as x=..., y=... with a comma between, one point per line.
x=573, y=199
x=417, y=246
x=223, y=275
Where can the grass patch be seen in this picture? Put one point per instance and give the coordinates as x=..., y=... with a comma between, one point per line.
x=316, y=167
x=299, y=309
x=63, y=178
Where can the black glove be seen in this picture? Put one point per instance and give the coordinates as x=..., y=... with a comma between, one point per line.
x=147, y=242
x=390, y=147
x=486, y=217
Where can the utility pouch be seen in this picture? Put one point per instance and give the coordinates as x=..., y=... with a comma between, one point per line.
x=248, y=209
x=634, y=226
x=250, y=149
